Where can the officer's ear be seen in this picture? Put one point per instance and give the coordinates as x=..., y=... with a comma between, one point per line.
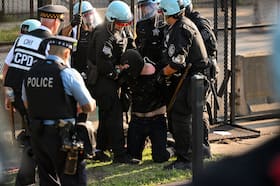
x=66, y=54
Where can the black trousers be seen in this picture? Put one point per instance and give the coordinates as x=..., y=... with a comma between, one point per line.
x=26, y=173
x=110, y=133
x=46, y=145
x=156, y=129
x=180, y=119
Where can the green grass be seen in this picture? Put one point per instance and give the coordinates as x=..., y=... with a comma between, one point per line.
x=9, y=35
x=147, y=173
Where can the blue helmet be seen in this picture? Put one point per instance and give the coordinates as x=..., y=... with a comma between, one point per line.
x=187, y=2
x=28, y=25
x=171, y=7
x=118, y=11
x=86, y=7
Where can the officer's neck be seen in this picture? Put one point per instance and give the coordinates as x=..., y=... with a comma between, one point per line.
x=171, y=21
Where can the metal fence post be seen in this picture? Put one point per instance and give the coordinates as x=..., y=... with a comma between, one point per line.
x=197, y=83
x=43, y=3
x=31, y=11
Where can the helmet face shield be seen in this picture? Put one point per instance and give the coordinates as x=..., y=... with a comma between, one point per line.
x=91, y=18
x=88, y=18
x=146, y=10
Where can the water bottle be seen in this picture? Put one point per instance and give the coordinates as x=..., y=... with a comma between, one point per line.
x=71, y=162
x=10, y=94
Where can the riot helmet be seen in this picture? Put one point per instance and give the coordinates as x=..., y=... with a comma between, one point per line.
x=89, y=14
x=29, y=25
x=118, y=14
x=146, y=9
x=171, y=7
x=188, y=7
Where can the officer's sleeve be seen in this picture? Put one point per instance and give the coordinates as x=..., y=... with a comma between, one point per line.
x=10, y=56
x=181, y=48
x=105, y=65
x=96, y=56
x=74, y=86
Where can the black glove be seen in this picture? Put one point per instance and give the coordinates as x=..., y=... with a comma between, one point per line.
x=125, y=98
x=113, y=75
x=77, y=20
x=160, y=77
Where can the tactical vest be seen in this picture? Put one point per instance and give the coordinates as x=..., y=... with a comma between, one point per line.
x=45, y=92
x=28, y=50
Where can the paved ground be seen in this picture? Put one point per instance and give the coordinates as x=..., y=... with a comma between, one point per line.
x=268, y=129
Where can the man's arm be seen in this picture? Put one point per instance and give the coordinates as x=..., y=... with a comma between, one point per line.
x=74, y=85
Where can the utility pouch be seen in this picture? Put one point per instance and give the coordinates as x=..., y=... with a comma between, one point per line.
x=71, y=162
x=65, y=133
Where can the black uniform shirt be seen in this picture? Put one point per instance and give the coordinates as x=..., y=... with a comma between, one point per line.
x=149, y=40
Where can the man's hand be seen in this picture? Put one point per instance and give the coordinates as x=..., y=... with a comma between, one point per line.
x=160, y=77
x=9, y=98
x=77, y=20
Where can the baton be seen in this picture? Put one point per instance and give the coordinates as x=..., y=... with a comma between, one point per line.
x=174, y=96
x=79, y=26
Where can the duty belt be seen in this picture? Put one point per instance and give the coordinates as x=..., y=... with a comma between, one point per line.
x=58, y=121
x=159, y=111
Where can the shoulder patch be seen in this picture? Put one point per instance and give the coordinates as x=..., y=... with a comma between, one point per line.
x=171, y=50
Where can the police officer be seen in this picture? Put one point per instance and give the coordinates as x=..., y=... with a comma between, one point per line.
x=26, y=173
x=89, y=20
x=147, y=107
x=183, y=45
x=28, y=49
x=207, y=32
x=205, y=28
x=108, y=43
x=25, y=27
x=65, y=88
